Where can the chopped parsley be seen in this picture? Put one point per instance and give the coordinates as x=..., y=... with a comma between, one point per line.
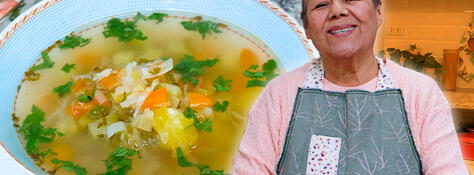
x=73, y=41
x=154, y=16
x=125, y=31
x=34, y=133
x=203, y=169
x=118, y=162
x=189, y=113
x=182, y=161
x=206, y=170
x=69, y=166
x=220, y=107
x=68, y=67
x=63, y=89
x=46, y=153
x=84, y=98
x=256, y=83
x=139, y=16
x=261, y=78
x=205, y=125
x=203, y=27
x=190, y=68
x=157, y=16
x=222, y=85
x=47, y=62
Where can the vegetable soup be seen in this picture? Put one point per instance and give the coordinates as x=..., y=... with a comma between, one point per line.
x=150, y=94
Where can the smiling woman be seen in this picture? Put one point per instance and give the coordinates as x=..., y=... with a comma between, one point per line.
x=353, y=113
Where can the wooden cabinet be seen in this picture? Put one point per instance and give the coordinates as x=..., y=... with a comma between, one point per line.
x=470, y=166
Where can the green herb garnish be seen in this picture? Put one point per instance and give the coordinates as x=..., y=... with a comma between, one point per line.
x=69, y=166
x=34, y=133
x=206, y=170
x=139, y=16
x=190, y=68
x=125, y=31
x=220, y=107
x=118, y=162
x=203, y=169
x=73, y=41
x=157, y=16
x=182, y=161
x=84, y=98
x=266, y=74
x=203, y=27
x=68, y=67
x=47, y=62
x=63, y=89
x=189, y=113
x=256, y=83
x=46, y=153
x=206, y=125
x=222, y=85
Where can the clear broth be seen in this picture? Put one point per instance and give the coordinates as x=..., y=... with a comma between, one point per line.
x=167, y=39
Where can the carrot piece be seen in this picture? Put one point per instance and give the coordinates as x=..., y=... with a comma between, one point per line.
x=198, y=100
x=157, y=98
x=110, y=81
x=247, y=58
x=78, y=85
x=78, y=109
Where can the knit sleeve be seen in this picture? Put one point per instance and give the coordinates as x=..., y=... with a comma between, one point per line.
x=440, y=151
x=258, y=149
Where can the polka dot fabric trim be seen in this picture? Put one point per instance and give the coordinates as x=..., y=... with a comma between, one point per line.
x=323, y=155
x=315, y=74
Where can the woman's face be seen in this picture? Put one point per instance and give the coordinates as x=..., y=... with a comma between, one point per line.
x=342, y=28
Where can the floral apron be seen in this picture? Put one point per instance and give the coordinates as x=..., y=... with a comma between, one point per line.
x=352, y=132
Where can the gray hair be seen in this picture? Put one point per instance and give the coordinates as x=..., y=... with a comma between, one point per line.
x=304, y=6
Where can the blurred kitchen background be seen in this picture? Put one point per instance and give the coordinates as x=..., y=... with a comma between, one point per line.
x=435, y=37
x=444, y=28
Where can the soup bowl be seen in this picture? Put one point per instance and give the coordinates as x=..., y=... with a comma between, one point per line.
x=51, y=20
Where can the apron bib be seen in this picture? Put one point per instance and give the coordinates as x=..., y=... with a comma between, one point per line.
x=352, y=132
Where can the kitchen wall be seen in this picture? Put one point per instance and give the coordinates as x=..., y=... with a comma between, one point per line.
x=432, y=25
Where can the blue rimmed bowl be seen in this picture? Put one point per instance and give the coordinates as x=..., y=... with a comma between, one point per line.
x=50, y=20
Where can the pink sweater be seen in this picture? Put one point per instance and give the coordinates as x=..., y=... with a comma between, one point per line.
x=429, y=115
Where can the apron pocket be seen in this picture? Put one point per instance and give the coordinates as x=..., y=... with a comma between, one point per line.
x=323, y=155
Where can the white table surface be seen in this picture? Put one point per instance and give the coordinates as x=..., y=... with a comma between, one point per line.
x=8, y=165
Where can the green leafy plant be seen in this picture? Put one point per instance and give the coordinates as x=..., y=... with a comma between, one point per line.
x=413, y=58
